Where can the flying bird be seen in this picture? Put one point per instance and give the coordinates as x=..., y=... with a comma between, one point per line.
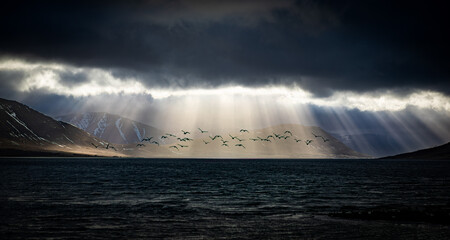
x=140, y=145
x=163, y=137
x=287, y=131
x=96, y=146
x=308, y=141
x=297, y=140
x=325, y=139
x=185, y=132
x=202, y=131
x=225, y=144
x=155, y=142
x=232, y=137
x=183, y=146
x=254, y=139
x=175, y=147
x=243, y=130
x=146, y=139
x=171, y=135
x=239, y=145
x=316, y=135
x=224, y=141
x=205, y=142
x=240, y=140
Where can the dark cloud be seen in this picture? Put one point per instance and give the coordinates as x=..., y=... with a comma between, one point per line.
x=322, y=45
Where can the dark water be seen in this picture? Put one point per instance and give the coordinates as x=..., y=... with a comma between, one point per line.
x=202, y=199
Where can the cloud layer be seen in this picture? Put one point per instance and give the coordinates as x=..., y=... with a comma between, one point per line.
x=323, y=46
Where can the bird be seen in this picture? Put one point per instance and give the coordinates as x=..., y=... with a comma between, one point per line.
x=218, y=136
x=232, y=137
x=113, y=148
x=270, y=136
x=287, y=131
x=185, y=132
x=243, y=130
x=148, y=139
x=224, y=141
x=171, y=135
x=175, y=147
x=225, y=144
x=96, y=146
x=140, y=145
x=286, y=137
x=316, y=135
x=205, y=142
x=163, y=137
x=276, y=135
x=188, y=139
x=325, y=139
x=202, y=131
x=266, y=140
x=308, y=141
x=297, y=140
x=212, y=138
x=254, y=139
x=183, y=146
x=155, y=142
x=107, y=146
x=239, y=145
x=240, y=140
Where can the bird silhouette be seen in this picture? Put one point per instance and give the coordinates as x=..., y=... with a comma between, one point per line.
x=277, y=135
x=224, y=144
x=266, y=140
x=202, y=131
x=270, y=136
x=170, y=134
x=175, y=147
x=239, y=145
x=297, y=140
x=316, y=135
x=113, y=148
x=148, y=139
x=163, y=137
x=185, y=132
x=96, y=146
x=254, y=139
x=218, y=136
x=287, y=131
x=155, y=142
x=232, y=136
x=182, y=146
x=243, y=130
x=308, y=141
x=212, y=138
x=224, y=141
x=325, y=139
x=286, y=137
x=240, y=140
x=205, y=142
x=140, y=145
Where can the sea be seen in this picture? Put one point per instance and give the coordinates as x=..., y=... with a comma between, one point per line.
x=124, y=198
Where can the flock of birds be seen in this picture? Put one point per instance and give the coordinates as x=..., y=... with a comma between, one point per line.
x=225, y=143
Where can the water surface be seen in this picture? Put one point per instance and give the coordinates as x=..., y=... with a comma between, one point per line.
x=204, y=198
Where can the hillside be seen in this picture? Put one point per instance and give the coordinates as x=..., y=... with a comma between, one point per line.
x=439, y=152
x=23, y=130
x=110, y=127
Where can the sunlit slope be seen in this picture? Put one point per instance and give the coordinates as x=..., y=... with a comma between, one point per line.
x=24, y=129
x=110, y=127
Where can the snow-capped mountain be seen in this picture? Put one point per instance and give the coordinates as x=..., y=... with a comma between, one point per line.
x=24, y=129
x=110, y=127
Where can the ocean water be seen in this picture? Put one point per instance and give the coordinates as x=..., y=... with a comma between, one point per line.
x=88, y=198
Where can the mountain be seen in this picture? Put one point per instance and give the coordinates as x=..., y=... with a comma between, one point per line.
x=439, y=152
x=24, y=131
x=110, y=127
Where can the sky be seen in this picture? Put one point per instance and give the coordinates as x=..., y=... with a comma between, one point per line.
x=374, y=72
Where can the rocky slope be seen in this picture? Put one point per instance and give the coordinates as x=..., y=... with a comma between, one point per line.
x=110, y=127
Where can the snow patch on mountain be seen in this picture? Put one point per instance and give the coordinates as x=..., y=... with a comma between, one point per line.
x=119, y=128
x=138, y=133
x=101, y=126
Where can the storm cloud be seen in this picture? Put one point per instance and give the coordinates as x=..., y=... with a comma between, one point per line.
x=323, y=46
